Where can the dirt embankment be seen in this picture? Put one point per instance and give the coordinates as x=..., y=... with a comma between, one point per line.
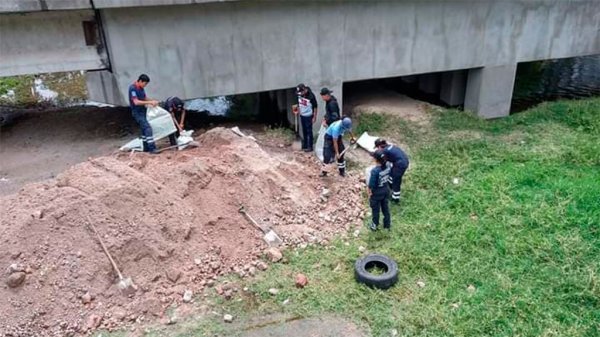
x=171, y=221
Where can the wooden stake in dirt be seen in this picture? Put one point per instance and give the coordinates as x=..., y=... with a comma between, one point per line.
x=125, y=284
x=270, y=237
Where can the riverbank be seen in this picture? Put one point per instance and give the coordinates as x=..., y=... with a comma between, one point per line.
x=497, y=235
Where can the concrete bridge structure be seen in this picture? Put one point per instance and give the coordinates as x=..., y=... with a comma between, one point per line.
x=203, y=48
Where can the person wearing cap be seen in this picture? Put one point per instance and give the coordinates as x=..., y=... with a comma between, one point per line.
x=379, y=191
x=399, y=161
x=137, y=103
x=334, y=145
x=307, y=108
x=332, y=108
x=174, y=105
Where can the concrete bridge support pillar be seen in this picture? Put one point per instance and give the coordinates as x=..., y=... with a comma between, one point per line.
x=102, y=87
x=454, y=84
x=489, y=90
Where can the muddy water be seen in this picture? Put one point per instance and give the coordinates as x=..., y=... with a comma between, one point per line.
x=571, y=78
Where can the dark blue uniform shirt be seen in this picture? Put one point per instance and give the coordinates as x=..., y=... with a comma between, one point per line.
x=395, y=154
x=139, y=93
x=379, y=181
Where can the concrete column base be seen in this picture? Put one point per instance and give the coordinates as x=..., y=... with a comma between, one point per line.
x=102, y=87
x=489, y=90
x=454, y=84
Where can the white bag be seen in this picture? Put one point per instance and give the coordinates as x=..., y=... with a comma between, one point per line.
x=320, y=142
x=162, y=125
x=184, y=139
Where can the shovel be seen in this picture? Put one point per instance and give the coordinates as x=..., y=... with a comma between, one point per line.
x=297, y=144
x=349, y=148
x=270, y=237
x=125, y=284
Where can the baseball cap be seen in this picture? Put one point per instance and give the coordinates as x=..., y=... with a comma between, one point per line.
x=379, y=142
x=325, y=91
x=347, y=123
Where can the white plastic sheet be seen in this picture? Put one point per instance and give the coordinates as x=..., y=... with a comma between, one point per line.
x=367, y=142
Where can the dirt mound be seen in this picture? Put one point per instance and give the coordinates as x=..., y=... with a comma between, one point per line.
x=171, y=222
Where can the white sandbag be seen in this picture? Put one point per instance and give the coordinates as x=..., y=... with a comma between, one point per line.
x=184, y=139
x=368, y=174
x=320, y=143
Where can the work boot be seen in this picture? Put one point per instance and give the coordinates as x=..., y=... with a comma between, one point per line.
x=396, y=201
x=342, y=172
x=373, y=226
x=323, y=174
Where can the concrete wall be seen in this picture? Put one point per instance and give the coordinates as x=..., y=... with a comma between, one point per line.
x=42, y=42
x=13, y=6
x=200, y=48
x=239, y=47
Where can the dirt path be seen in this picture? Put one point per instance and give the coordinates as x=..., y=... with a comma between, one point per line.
x=305, y=327
x=375, y=98
x=41, y=145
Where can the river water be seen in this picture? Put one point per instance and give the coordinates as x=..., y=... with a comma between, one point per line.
x=541, y=81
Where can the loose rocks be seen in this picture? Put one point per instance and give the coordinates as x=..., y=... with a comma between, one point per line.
x=274, y=254
x=301, y=281
x=15, y=279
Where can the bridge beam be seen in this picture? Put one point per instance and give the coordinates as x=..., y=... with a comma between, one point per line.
x=489, y=90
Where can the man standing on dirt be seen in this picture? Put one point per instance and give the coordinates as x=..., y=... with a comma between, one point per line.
x=332, y=109
x=307, y=108
x=174, y=105
x=137, y=102
x=399, y=161
x=334, y=145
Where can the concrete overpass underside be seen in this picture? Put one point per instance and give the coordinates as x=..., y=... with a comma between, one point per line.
x=208, y=48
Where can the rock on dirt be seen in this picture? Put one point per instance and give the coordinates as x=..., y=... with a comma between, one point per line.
x=227, y=318
x=273, y=291
x=86, y=298
x=93, y=321
x=274, y=254
x=262, y=266
x=15, y=279
x=301, y=281
x=173, y=275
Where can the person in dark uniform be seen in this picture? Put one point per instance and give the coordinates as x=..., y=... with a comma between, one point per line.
x=174, y=105
x=307, y=108
x=334, y=145
x=399, y=161
x=332, y=108
x=137, y=103
x=379, y=191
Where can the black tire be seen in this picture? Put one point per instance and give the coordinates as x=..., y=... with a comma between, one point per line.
x=383, y=281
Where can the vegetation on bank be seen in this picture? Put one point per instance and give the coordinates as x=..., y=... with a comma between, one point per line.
x=19, y=91
x=498, y=234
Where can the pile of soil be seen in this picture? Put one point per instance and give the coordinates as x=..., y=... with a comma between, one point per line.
x=171, y=222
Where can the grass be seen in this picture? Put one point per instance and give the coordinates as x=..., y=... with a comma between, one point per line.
x=512, y=249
